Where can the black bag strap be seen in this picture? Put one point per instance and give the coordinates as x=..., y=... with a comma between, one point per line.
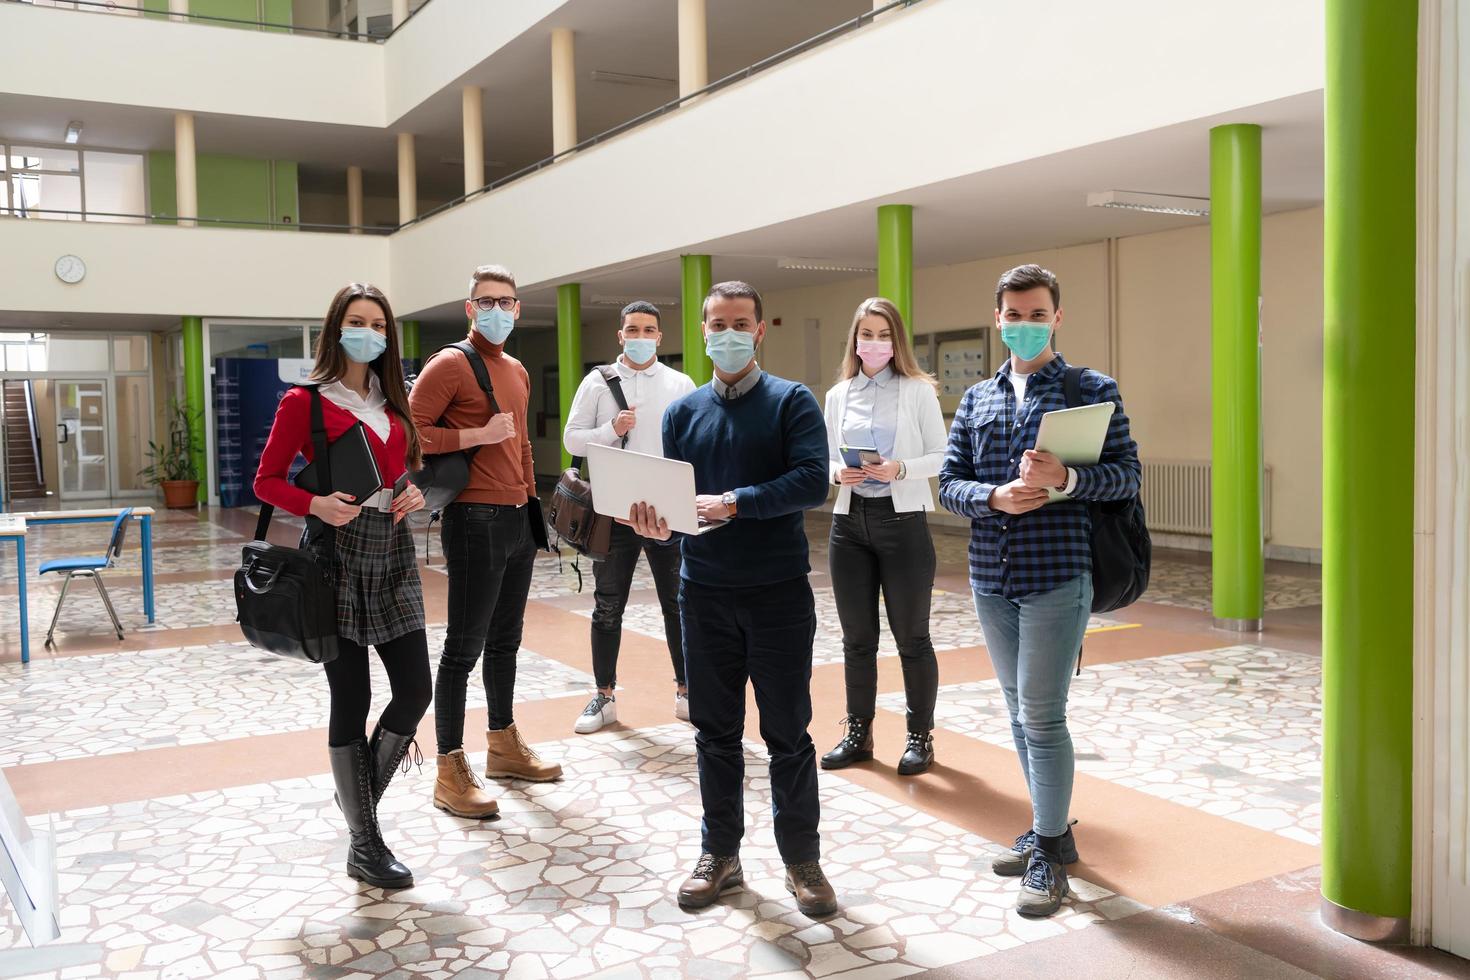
x=1072, y=386
x=482, y=373
x=323, y=458
x=614, y=385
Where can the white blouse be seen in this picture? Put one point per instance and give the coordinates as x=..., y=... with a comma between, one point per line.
x=372, y=411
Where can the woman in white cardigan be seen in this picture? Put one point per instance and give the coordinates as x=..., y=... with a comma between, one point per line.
x=884, y=404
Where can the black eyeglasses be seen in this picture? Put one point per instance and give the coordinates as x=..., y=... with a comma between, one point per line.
x=487, y=303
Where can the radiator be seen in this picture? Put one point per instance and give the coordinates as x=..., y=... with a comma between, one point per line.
x=1176, y=496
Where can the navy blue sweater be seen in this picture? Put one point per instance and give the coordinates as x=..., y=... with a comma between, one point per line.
x=770, y=447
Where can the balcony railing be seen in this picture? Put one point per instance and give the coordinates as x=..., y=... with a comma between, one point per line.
x=158, y=10
x=113, y=217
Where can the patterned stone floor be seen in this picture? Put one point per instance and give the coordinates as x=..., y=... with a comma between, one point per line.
x=575, y=879
x=1233, y=732
x=1187, y=585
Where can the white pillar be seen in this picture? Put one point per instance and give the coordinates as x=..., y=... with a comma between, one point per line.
x=400, y=12
x=408, y=180
x=354, y=199
x=474, y=138
x=693, y=47
x=186, y=180
x=563, y=90
x=177, y=7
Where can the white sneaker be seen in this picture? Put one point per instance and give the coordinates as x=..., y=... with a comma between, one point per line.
x=681, y=706
x=601, y=710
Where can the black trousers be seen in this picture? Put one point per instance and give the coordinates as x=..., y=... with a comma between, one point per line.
x=875, y=548
x=614, y=579
x=762, y=634
x=406, y=658
x=490, y=557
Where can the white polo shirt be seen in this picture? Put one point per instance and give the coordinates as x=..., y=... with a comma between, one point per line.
x=649, y=392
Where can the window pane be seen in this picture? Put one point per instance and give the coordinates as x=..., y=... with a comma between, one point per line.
x=78, y=353
x=255, y=341
x=43, y=158
x=130, y=353
x=47, y=196
x=114, y=186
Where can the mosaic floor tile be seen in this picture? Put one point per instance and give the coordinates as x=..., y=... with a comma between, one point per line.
x=1234, y=732
x=1188, y=585
x=576, y=879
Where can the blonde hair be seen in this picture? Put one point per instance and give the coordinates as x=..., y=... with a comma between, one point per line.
x=904, y=363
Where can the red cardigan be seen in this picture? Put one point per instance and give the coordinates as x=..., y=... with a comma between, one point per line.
x=291, y=434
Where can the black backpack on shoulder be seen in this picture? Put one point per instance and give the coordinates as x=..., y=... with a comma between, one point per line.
x=1122, y=551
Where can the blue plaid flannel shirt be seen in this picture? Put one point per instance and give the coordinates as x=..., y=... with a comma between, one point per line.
x=1016, y=556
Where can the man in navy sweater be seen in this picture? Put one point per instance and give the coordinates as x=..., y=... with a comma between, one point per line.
x=758, y=446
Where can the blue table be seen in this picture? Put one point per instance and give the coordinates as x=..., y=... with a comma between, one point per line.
x=13, y=528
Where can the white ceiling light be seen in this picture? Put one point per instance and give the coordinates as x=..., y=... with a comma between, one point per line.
x=1198, y=207
x=623, y=78
x=621, y=301
x=822, y=265
x=73, y=131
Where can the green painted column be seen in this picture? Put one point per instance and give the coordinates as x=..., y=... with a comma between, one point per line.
x=1368, y=466
x=896, y=259
x=698, y=276
x=1238, y=549
x=568, y=352
x=410, y=339
x=194, y=394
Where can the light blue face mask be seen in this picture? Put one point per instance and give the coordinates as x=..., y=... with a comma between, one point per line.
x=494, y=325
x=731, y=350
x=1026, y=340
x=363, y=344
x=640, y=350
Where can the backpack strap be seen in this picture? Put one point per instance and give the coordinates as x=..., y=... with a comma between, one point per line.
x=482, y=373
x=1072, y=387
x=323, y=457
x=615, y=385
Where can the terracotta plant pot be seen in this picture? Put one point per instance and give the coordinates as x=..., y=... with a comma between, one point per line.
x=180, y=494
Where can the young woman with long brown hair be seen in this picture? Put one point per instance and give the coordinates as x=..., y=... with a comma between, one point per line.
x=880, y=538
x=380, y=601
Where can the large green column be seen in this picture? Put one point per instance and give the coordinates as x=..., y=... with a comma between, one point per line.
x=194, y=397
x=697, y=278
x=410, y=339
x=896, y=259
x=568, y=351
x=1368, y=466
x=1238, y=548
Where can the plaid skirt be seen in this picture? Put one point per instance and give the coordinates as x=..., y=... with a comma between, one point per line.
x=379, y=596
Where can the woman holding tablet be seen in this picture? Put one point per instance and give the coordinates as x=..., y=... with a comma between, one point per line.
x=883, y=415
x=380, y=601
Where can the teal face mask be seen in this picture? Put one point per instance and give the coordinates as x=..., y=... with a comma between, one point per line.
x=363, y=344
x=494, y=325
x=1026, y=340
x=731, y=350
x=640, y=350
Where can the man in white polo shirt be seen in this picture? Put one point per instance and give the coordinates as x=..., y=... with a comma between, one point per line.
x=596, y=418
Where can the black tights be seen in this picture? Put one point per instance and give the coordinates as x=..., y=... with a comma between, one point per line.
x=406, y=659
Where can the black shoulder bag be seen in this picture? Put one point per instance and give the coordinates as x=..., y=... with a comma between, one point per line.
x=1122, y=551
x=286, y=598
x=572, y=517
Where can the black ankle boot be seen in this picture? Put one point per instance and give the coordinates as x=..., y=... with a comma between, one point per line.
x=918, y=755
x=388, y=750
x=856, y=745
x=368, y=858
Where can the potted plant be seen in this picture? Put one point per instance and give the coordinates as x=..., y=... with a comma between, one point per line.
x=171, y=465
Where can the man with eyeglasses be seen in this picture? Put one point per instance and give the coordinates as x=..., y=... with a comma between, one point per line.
x=487, y=542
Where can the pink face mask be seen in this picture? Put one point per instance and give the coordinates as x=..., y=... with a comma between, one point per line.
x=875, y=353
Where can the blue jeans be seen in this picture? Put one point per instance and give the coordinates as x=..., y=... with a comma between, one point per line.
x=1034, y=642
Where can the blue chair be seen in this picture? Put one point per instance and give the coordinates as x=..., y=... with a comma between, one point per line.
x=90, y=568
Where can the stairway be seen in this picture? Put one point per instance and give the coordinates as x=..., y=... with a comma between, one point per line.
x=20, y=446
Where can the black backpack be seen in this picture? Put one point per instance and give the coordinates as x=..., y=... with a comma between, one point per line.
x=1121, y=548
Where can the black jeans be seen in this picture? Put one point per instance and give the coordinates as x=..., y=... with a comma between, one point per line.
x=614, y=578
x=406, y=658
x=490, y=556
x=874, y=547
x=762, y=634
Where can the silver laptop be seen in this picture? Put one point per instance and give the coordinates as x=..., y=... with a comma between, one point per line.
x=621, y=478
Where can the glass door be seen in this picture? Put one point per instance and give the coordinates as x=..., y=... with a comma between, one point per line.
x=81, y=438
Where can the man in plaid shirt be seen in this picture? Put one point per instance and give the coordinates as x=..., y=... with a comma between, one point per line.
x=1030, y=561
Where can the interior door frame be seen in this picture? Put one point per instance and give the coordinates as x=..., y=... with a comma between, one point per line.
x=109, y=408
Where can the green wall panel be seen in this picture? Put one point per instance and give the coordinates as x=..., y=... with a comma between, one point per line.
x=232, y=188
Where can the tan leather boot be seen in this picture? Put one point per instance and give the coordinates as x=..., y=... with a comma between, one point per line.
x=509, y=757
x=458, y=791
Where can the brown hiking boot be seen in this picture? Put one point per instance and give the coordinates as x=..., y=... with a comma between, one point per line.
x=814, y=894
x=712, y=875
x=458, y=791
x=509, y=757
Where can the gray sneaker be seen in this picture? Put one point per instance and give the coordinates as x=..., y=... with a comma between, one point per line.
x=1043, y=887
x=1013, y=863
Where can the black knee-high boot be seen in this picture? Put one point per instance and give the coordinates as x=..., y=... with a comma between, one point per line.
x=387, y=751
x=368, y=858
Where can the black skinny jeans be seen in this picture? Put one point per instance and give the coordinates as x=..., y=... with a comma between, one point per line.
x=873, y=548
x=490, y=556
x=406, y=658
x=614, y=578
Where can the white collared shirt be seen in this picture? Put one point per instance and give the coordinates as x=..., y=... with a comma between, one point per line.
x=372, y=411
x=648, y=392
